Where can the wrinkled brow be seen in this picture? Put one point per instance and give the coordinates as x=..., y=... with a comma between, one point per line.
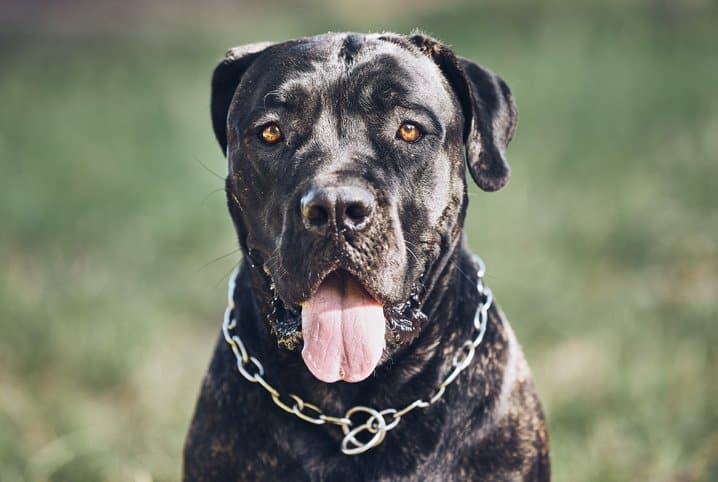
x=291, y=96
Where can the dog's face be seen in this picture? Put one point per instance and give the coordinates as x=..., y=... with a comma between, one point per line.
x=346, y=181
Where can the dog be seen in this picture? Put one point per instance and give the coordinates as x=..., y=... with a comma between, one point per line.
x=360, y=343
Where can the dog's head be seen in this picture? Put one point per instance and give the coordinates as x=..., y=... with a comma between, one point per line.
x=346, y=181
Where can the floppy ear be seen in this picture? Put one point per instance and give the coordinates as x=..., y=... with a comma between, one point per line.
x=489, y=110
x=225, y=80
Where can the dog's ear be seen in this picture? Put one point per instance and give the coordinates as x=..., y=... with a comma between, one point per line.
x=225, y=80
x=489, y=110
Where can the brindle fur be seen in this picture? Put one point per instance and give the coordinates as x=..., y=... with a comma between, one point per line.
x=489, y=424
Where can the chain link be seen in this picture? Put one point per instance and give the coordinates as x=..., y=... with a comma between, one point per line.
x=377, y=422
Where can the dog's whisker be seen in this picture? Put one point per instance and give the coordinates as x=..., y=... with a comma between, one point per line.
x=218, y=258
x=455, y=263
x=209, y=194
x=223, y=279
x=274, y=259
x=233, y=197
x=281, y=273
x=412, y=253
x=207, y=168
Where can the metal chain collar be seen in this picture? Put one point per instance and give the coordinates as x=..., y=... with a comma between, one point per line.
x=377, y=422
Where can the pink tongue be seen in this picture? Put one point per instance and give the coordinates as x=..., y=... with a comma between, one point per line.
x=343, y=331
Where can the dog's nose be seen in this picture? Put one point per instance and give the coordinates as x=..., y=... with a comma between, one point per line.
x=340, y=207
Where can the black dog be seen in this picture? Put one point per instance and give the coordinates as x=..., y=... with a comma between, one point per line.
x=347, y=189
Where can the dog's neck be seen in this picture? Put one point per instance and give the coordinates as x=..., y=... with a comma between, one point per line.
x=452, y=290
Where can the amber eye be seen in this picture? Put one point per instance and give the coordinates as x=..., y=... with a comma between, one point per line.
x=408, y=132
x=271, y=133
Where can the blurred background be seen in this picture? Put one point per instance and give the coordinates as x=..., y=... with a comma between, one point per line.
x=115, y=244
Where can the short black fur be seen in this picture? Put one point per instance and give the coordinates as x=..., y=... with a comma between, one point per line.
x=412, y=256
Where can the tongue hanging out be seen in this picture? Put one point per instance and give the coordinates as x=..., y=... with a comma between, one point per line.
x=343, y=330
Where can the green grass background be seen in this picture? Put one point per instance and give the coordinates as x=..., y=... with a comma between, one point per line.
x=603, y=249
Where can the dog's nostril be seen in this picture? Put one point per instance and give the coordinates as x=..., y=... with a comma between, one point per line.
x=357, y=212
x=317, y=208
x=316, y=216
x=336, y=208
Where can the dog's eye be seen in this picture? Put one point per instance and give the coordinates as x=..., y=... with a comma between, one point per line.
x=271, y=133
x=408, y=132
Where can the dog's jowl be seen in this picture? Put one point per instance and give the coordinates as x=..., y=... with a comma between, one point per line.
x=360, y=342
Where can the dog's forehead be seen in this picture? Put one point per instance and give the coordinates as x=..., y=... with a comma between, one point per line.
x=317, y=64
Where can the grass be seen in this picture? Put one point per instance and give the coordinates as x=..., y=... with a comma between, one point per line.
x=602, y=250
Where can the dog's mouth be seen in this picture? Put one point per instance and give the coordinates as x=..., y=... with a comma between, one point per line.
x=344, y=327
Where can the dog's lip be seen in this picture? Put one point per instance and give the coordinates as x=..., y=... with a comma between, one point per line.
x=314, y=281
x=341, y=271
